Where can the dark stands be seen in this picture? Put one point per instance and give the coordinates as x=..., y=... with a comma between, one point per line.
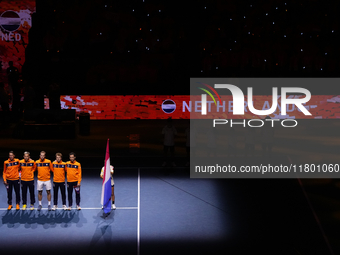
x=48, y=124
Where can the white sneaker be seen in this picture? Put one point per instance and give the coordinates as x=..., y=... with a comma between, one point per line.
x=64, y=207
x=78, y=207
x=113, y=207
x=69, y=208
x=54, y=207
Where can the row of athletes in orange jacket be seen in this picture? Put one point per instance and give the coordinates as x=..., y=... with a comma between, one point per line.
x=14, y=169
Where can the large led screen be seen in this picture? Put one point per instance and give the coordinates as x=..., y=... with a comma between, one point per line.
x=181, y=106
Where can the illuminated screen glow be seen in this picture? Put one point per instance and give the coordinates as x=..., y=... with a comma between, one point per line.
x=15, y=22
x=189, y=107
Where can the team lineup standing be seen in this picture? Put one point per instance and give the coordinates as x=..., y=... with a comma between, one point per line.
x=16, y=171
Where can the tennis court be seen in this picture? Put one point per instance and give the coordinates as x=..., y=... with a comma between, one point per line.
x=148, y=208
x=163, y=211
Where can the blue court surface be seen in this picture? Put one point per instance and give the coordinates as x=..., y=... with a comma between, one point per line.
x=165, y=212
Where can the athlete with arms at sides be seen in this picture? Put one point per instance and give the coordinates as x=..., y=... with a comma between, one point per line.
x=44, y=168
x=73, y=175
x=59, y=181
x=27, y=168
x=11, y=179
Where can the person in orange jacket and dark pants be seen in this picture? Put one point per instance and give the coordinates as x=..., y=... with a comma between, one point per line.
x=73, y=175
x=27, y=168
x=59, y=181
x=11, y=179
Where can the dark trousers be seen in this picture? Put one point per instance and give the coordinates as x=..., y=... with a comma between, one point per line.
x=16, y=186
x=61, y=186
x=30, y=186
x=70, y=187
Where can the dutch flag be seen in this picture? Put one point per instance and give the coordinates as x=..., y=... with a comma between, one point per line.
x=106, y=188
x=10, y=21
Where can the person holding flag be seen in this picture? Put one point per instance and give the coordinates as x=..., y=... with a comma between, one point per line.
x=106, y=186
x=112, y=185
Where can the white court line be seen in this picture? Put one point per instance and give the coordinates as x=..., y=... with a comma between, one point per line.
x=87, y=208
x=120, y=208
x=142, y=167
x=138, y=214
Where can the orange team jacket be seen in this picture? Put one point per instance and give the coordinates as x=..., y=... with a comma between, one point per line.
x=27, y=170
x=59, y=171
x=44, y=167
x=73, y=171
x=11, y=170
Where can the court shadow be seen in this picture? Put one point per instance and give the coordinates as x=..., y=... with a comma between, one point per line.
x=103, y=233
x=79, y=219
x=10, y=218
x=67, y=218
x=31, y=219
x=102, y=217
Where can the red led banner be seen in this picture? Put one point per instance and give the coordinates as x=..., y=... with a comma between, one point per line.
x=186, y=107
x=15, y=22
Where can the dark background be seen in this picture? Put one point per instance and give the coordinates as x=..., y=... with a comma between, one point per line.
x=89, y=47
